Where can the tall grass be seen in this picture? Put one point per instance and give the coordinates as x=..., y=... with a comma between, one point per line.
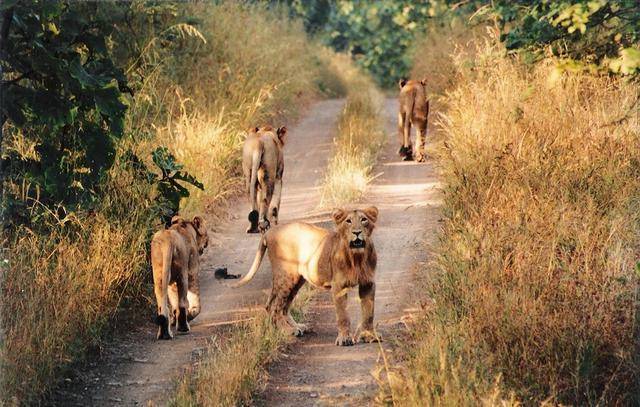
x=230, y=370
x=534, y=287
x=234, y=367
x=67, y=276
x=360, y=136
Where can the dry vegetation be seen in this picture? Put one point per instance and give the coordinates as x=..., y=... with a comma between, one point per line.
x=232, y=370
x=60, y=289
x=533, y=291
x=360, y=136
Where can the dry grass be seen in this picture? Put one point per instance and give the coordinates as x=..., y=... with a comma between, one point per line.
x=234, y=367
x=61, y=289
x=360, y=136
x=66, y=279
x=534, y=289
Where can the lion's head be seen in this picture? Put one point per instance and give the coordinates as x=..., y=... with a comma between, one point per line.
x=202, y=237
x=356, y=226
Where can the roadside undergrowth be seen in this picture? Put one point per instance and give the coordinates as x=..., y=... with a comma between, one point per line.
x=65, y=275
x=360, y=136
x=532, y=294
x=233, y=368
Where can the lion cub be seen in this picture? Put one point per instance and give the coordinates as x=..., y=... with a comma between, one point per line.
x=334, y=260
x=263, y=166
x=414, y=109
x=176, y=264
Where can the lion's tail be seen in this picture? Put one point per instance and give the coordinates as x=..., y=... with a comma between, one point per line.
x=255, y=165
x=262, y=248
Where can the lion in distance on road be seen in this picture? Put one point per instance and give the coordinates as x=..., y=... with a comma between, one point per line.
x=414, y=110
x=263, y=167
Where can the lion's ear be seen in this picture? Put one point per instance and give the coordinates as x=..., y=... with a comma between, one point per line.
x=253, y=130
x=198, y=224
x=339, y=215
x=177, y=219
x=423, y=82
x=282, y=133
x=402, y=83
x=372, y=213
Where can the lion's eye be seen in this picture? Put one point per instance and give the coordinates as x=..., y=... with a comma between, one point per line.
x=364, y=220
x=349, y=221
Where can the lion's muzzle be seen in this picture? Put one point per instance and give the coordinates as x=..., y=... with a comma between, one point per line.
x=358, y=242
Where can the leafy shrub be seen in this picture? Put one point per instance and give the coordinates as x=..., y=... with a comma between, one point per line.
x=589, y=33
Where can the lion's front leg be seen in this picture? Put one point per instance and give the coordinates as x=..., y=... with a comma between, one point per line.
x=365, y=332
x=340, y=297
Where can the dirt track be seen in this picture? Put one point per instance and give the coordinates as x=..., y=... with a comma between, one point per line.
x=315, y=371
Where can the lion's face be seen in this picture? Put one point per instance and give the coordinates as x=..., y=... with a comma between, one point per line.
x=356, y=226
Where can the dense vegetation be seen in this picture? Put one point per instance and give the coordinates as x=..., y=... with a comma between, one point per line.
x=376, y=34
x=104, y=119
x=532, y=297
x=585, y=34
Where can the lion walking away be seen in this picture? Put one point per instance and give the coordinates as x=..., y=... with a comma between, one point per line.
x=414, y=110
x=176, y=266
x=263, y=167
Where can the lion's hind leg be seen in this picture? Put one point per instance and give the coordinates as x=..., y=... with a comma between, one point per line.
x=283, y=292
x=183, y=303
x=298, y=328
x=160, y=263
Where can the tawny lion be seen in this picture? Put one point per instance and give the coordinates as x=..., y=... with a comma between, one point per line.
x=263, y=167
x=333, y=260
x=176, y=264
x=414, y=109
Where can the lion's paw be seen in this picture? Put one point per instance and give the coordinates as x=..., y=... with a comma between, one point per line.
x=299, y=330
x=182, y=325
x=368, y=337
x=344, y=340
x=264, y=226
x=164, y=332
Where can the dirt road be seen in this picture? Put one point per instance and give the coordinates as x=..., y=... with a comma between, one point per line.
x=315, y=371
